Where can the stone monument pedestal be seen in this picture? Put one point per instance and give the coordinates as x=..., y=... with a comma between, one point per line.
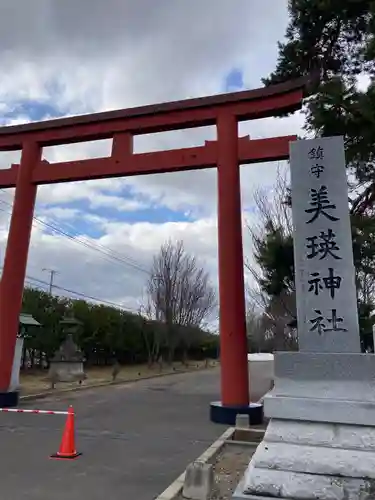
x=320, y=442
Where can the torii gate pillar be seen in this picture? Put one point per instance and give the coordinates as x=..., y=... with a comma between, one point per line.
x=233, y=340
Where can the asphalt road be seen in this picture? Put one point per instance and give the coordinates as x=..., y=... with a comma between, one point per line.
x=135, y=440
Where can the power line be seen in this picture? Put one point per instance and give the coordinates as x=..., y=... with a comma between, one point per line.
x=97, y=247
x=30, y=280
x=107, y=252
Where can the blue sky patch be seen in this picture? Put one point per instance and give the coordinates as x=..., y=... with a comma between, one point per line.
x=34, y=110
x=234, y=80
x=156, y=215
x=250, y=209
x=83, y=226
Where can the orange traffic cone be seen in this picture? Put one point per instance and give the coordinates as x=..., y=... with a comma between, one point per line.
x=67, y=449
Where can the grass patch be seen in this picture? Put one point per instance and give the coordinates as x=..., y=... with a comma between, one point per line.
x=34, y=382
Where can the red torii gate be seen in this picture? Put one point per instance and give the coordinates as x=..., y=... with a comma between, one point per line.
x=226, y=154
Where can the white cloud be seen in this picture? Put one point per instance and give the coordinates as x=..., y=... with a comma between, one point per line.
x=120, y=57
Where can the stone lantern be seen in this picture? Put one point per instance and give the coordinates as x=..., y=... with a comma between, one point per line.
x=70, y=324
x=67, y=363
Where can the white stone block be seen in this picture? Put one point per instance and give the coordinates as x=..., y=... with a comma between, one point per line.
x=312, y=461
x=281, y=484
x=321, y=434
x=261, y=374
x=315, y=460
x=199, y=478
x=299, y=432
x=338, y=376
x=242, y=421
x=320, y=410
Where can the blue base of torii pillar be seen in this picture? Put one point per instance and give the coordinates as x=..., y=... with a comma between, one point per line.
x=9, y=399
x=220, y=414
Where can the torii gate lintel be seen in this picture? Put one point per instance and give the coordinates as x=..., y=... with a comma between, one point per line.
x=124, y=163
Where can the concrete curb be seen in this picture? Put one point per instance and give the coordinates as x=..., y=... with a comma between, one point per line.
x=176, y=487
x=58, y=392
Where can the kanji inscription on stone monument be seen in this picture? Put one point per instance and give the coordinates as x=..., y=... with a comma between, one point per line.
x=323, y=255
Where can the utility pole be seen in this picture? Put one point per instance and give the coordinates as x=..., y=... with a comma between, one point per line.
x=52, y=273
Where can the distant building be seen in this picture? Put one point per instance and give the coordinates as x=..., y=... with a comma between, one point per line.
x=26, y=320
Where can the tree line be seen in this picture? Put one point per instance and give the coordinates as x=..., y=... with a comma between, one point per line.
x=170, y=325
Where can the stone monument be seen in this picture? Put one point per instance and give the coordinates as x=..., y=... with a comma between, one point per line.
x=320, y=441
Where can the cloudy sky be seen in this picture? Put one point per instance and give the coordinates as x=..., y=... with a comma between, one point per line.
x=66, y=58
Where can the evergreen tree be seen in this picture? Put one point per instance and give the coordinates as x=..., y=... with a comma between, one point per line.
x=333, y=43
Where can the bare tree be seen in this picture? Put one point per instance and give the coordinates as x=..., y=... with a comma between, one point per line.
x=273, y=323
x=274, y=214
x=179, y=292
x=151, y=334
x=275, y=210
x=256, y=333
x=277, y=320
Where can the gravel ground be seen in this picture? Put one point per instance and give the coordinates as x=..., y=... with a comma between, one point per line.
x=229, y=467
